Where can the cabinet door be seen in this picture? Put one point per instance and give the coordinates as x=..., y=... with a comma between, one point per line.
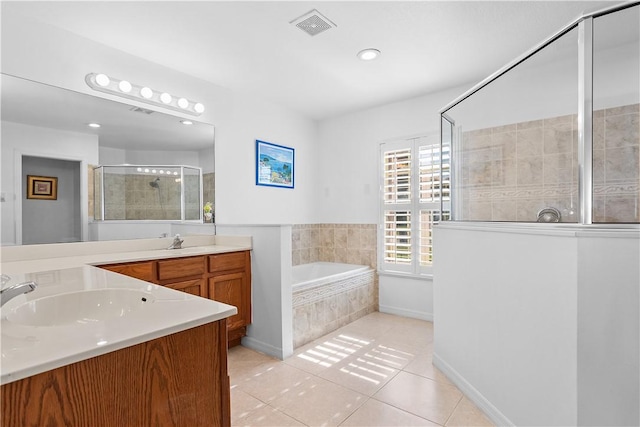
x=233, y=289
x=140, y=270
x=194, y=287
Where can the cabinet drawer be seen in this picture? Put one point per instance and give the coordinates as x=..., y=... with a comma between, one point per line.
x=181, y=267
x=139, y=270
x=226, y=262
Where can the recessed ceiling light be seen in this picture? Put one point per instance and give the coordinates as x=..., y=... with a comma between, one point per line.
x=186, y=122
x=368, y=54
x=93, y=125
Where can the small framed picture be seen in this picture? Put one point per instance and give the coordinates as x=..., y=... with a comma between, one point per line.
x=275, y=165
x=42, y=187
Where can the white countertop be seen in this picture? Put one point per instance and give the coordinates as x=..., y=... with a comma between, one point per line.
x=29, y=266
x=30, y=350
x=31, y=258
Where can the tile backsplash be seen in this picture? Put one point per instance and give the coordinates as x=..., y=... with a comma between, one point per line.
x=344, y=243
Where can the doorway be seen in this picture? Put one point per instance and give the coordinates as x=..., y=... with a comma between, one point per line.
x=47, y=220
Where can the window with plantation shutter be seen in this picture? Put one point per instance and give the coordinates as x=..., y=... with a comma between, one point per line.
x=412, y=186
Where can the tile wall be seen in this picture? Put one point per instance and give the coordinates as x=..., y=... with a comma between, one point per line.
x=130, y=197
x=322, y=310
x=509, y=173
x=91, y=182
x=616, y=164
x=345, y=243
x=209, y=189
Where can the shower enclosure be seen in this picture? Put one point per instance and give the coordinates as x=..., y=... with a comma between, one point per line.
x=554, y=136
x=140, y=192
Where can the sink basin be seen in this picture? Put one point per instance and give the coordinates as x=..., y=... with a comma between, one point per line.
x=80, y=307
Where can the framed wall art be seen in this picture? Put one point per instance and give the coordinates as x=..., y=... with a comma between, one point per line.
x=42, y=187
x=275, y=165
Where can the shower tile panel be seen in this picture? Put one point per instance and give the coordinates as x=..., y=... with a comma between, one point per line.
x=510, y=172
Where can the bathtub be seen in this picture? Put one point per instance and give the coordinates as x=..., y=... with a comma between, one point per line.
x=306, y=276
x=327, y=296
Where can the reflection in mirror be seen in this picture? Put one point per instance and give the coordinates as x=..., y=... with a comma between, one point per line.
x=45, y=132
x=147, y=192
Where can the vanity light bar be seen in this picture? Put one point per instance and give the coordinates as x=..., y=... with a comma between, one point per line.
x=104, y=83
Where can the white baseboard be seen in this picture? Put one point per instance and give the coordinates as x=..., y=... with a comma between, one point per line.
x=415, y=314
x=262, y=347
x=472, y=393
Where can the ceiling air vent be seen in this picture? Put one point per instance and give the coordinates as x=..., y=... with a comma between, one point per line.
x=313, y=23
x=141, y=110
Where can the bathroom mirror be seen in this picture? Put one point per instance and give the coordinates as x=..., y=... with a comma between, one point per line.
x=45, y=132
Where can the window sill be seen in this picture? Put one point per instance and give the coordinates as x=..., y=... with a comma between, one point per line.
x=427, y=276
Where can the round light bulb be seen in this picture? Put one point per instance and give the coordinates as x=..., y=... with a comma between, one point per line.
x=198, y=108
x=161, y=171
x=139, y=169
x=145, y=92
x=175, y=173
x=153, y=171
x=103, y=80
x=183, y=103
x=146, y=170
x=165, y=98
x=125, y=86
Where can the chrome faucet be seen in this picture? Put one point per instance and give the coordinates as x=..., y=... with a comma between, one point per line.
x=14, y=290
x=177, y=242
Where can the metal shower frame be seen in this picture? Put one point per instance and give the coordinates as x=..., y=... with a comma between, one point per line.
x=584, y=25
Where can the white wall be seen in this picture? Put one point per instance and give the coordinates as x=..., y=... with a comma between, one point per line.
x=207, y=160
x=540, y=326
x=18, y=140
x=608, y=329
x=348, y=184
x=544, y=87
x=349, y=175
x=271, y=330
x=505, y=321
x=46, y=54
x=408, y=297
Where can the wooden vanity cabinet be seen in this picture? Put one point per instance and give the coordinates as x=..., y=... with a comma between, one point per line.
x=224, y=277
x=145, y=270
x=193, y=287
x=184, y=274
x=230, y=283
x=179, y=380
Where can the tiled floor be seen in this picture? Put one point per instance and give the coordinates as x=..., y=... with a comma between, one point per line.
x=375, y=371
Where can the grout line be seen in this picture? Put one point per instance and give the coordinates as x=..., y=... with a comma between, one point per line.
x=316, y=376
x=454, y=409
